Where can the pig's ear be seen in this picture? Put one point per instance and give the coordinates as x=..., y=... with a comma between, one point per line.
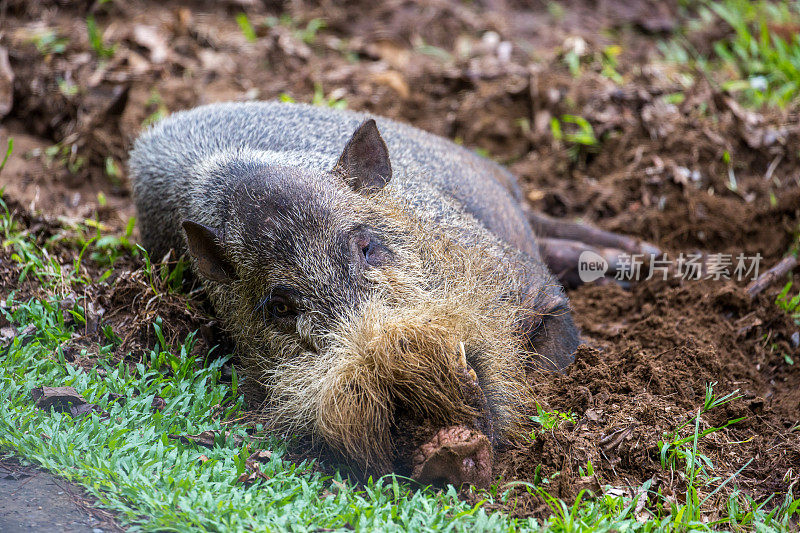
x=364, y=163
x=205, y=246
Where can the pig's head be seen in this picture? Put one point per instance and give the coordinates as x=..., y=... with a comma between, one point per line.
x=369, y=332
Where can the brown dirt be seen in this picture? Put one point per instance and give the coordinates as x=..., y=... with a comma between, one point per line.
x=491, y=75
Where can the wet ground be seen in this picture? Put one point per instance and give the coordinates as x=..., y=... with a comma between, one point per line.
x=676, y=161
x=33, y=500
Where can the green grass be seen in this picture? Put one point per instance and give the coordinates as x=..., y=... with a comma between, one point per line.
x=65, y=155
x=160, y=112
x=106, y=249
x=99, y=46
x=549, y=420
x=768, y=65
x=318, y=99
x=578, y=58
x=577, y=133
x=756, y=62
x=789, y=303
x=128, y=461
x=48, y=42
x=307, y=34
x=246, y=27
x=131, y=465
x=9, y=149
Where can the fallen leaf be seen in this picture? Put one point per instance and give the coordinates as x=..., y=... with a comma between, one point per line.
x=136, y=62
x=207, y=438
x=68, y=302
x=58, y=397
x=252, y=473
x=216, y=62
x=93, y=315
x=8, y=334
x=64, y=400
x=393, y=80
x=158, y=404
x=290, y=44
x=593, y=415
x=588, y=483
x=6, y=84
x=395, y=54
x=114, y=397
x=261, y=456
x=748, y=117
x=77, y=411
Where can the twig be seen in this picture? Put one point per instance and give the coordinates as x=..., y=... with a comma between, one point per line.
x=783, y=267
x=772, y=166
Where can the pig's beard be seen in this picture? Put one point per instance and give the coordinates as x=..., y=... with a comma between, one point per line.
x=400, y=350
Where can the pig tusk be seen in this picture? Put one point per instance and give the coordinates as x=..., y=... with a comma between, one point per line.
x=463, y=360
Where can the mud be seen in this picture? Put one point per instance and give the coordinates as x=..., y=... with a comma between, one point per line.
x=493, y=76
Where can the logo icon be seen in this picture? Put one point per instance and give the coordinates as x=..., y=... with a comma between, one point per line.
x=591, y=266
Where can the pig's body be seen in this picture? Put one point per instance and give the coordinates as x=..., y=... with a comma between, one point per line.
x=271, y=196
x=439, y=177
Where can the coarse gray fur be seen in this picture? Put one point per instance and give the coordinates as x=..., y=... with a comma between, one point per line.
x=181, y=170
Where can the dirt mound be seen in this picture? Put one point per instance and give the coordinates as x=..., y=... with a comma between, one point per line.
x=649, y=356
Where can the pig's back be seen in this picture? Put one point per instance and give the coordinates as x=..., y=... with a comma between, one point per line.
x=422, y=164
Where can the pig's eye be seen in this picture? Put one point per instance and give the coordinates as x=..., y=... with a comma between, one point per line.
x=280, y=307
x=277, y=305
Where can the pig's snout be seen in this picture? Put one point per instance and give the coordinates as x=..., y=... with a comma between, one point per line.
x=459, y=454
x=414, y=390
x=455, y=455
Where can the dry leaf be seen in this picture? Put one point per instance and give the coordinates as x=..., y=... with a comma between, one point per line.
x=6, y=84
x=394, y=80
